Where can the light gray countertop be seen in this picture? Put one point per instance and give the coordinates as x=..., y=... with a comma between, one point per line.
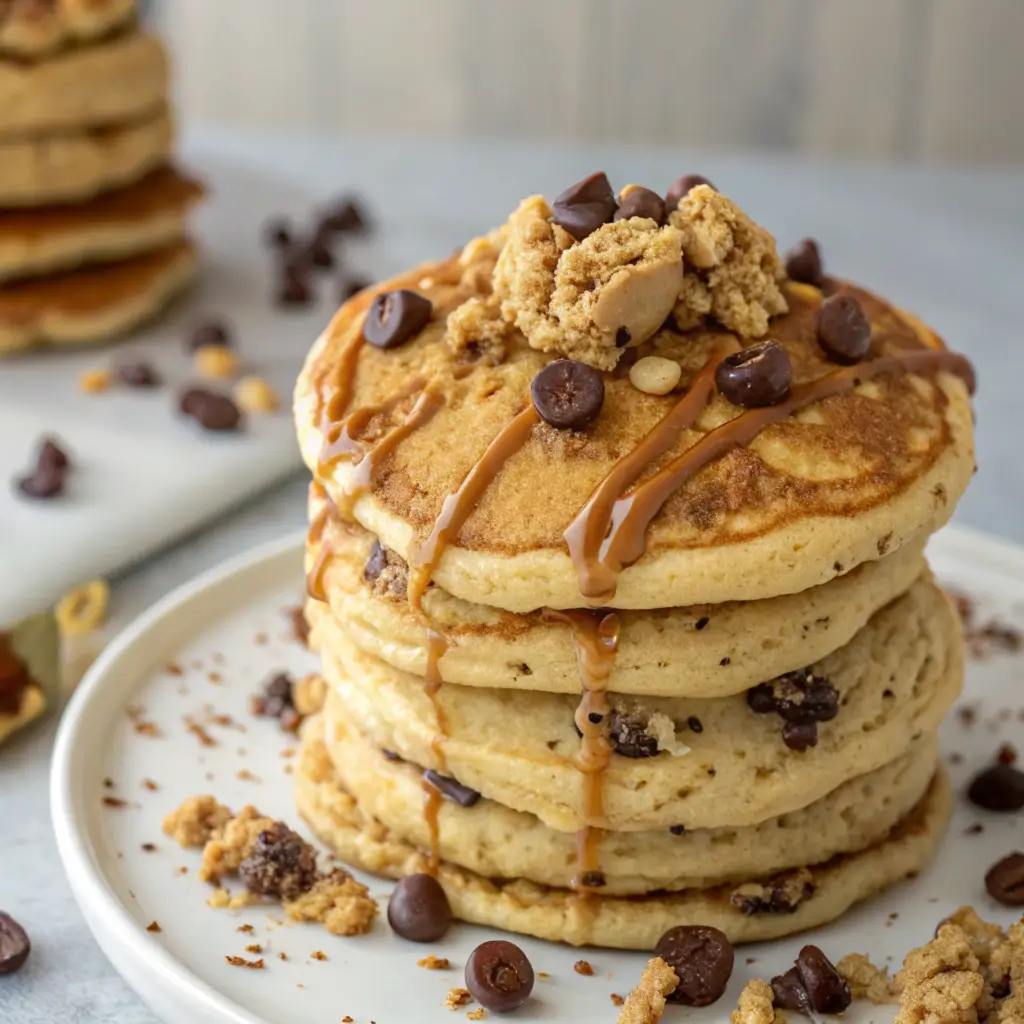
x=947, y=244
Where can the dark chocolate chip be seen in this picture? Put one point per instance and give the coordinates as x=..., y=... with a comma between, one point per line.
x=789, y=992
x=629, y=735
x=695, y=724
x=825, y=987
x=677, y=830
x=295, y=289
x=419, y=910
x=680, y=187
x=761, y=699
x=844, y=332
x=52, y=456
x=319, y=252
x=799, y=736
x=42, y=484
x=595, y=718
x=346, y=214
x=213, y=333
x=756, y=376
x=277, y=233
x=390, y=755
x=593, y=880
x=1006, y=754
x=451, y=788
x=568, y=394
x=499, y=976
x=14, y=945
x=701, y=623
x=353, y=286
x=622, y=337
x=138, y=375
x=582, y=208
x=702, y=958
x=803, y=263
x=396, y=317
x=780, y=895
x=999, y=788
x=212, y=411
x=281, y=864
x=376, y=563
x=1005, y=880
x=641, y=202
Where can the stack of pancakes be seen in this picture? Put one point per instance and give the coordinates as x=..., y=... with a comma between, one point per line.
x=91, y=211
x=730, y=722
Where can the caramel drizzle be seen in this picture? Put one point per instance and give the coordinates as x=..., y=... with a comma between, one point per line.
x=587, y=531
x=315, y=576
x=596, y=637
x=431, y=808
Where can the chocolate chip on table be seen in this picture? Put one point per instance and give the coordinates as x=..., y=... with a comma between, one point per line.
x=14, y=945
x=213, y=333
x=294, y=289
x=277, y=233
x=641, y=202
x=276, y=701
x=681, y=186
x=281, y=864
x=499, y=976
x=803, y=263
x=813, y=983
x=1005, y=880
x=755, y=376
x=46, y=478
x=451, y=788
x=568, y=394
x=702, y=958
x=138, y=375
x=844, y=332
x=345, y=215
x=998, y=788
x=52, y=456
x=396, y=317
x=628, y=733
x=212, y=411
x=419, y=910
x=582, y=208
x=320, y=253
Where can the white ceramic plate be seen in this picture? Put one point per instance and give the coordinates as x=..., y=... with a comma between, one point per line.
x=228, y=631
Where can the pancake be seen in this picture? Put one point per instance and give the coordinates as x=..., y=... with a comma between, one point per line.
x=29, y=31
x=496, y=842
x=76, y=166
x=623, y=923
x=148, y=215
x=114, y=80
x=87, y=306
x=845, y=480
x=895, y=681
x=700, y=651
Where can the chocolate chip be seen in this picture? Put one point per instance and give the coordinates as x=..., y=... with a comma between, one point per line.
x=1005, y=880
x=319, y=253
x=780, y=895
x=641, y=202
x=803, y=263
x=294, y=289
x=681, y=186
x=999, y=788
x=277, y=233
x=281, y=864
x=1006, y=754
x=844, y=332
x=756, y=376
x=568, y=394
x=695, y=724
x=213, y=333
x=582, y=208
x=677, y=830
x=761, y=699
x=813, y=983
x=346, y=214
x=593, y=880
x=353, y=286
x=499, y=976
x=799, y=736
x=396, y=317
x=702, y=958
x=595, y=718
x=14, y=945
x=275, y=701
x=212, y=411
x=52, y=456
x=376, y=563
x=419, y=910
x=46, y=478
x=451, y=788
x=390, y=755
x=796, y=697
x=622, y=337
x=628, y=733
x=138, y=375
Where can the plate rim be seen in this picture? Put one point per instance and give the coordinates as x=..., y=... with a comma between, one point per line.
x=107, y=915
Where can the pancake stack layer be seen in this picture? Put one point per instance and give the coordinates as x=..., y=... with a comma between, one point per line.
x=92, y=212
x=608, y=654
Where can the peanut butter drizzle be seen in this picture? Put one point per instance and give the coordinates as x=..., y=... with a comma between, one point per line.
x=315, y=576
x=586, y=532
x=633, y=513
x=431, y=808
x=596, y=637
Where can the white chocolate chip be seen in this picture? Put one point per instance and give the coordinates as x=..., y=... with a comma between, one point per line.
x=655, y=375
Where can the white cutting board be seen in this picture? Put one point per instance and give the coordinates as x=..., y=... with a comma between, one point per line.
x=144, y=475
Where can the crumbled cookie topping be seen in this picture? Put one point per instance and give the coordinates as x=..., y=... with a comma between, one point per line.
x=387, y=573
x=755, y=1005
x=866, y=981
x=196, y=821
x=338, y=902
x=780, y=895
x=308, y=694
x=646, y=1003
x=477, y=329
x=227, y=848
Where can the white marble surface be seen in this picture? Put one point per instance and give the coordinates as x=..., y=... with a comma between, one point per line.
x=944, y=243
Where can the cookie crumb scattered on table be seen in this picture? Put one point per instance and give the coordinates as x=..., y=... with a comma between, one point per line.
x=866, y=981
x=756, y=1004
x=646, y=1003
x=434, y=963
x=457, y=997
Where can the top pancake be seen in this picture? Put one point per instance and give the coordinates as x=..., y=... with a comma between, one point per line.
x=845, y=480
x=30, y=30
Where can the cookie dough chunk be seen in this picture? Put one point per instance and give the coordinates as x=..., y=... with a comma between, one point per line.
x=941, y=981
x=646, y=1003
x=338, y=902
x=732, y=266
x=587, y=300
x=866, y=981
x=477, y=328
x=196, y=821
x=756, y=1005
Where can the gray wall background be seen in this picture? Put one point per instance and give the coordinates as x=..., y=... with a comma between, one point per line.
x=891, y=79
